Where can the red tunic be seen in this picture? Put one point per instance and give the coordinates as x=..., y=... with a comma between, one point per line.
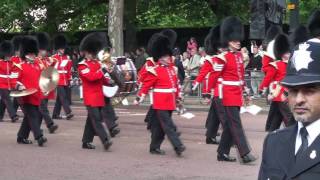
x=143, y=71
x=63, y=65
x=92, y=81
x=265, y=63
x=231, y=70
x=276, y=72
x=164, y=81
x=7, y=76
x=15, y=61
x=29, y=75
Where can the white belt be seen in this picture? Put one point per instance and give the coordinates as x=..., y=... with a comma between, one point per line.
x=165, y=90
x=4, y=76
x=233, y=83
x=62, y=71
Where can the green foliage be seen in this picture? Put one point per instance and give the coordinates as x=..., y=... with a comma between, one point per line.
x=306, y=7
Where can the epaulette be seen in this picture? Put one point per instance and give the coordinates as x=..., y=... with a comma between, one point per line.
x=221, y=56
x=151, y=59
x=152, y=70
x=82, y=63
x=18, y=65
x=274, y=64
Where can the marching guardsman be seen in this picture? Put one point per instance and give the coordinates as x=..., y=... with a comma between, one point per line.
x=28, y=78
x=268, y=57
x=63, y=65
x=6, y=78
x=231, y=69
x=44, y=62
x=150, y=63
x=16, y=41
x=214, y=48
x=166, y=91
x=92, y=77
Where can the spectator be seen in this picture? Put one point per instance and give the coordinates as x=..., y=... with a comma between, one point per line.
x=203, y=54
x=192, y=44
x=179, y=65
x=141, y=58
x=193, y=65
x=255, y=68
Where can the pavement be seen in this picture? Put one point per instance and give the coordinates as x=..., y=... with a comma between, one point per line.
x=62, y=158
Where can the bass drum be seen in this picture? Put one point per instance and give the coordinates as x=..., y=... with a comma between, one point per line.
x=124, y=68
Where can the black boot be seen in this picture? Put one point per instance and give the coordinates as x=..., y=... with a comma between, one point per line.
x=248, y=158
x=226, y=157
x=180, y=149
x=157, y=151
x=21, y=140
x=212, y=140
x=107, y=144
x=88, y=146
x=53, y=128
x=42, y=140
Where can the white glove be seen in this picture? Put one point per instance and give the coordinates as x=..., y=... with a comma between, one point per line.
x=194, y=86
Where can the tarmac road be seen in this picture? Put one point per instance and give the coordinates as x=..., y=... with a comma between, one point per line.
x=63, y=158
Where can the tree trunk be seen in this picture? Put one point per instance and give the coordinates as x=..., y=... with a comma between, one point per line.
x=130, y=13
x=115, y=26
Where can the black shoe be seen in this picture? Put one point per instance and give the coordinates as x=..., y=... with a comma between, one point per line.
x=107, y=144
x=42, y=140
x=57, y=117
x=53, y=128
x=69, y=116
x=157, y=151
x=180, y=149
x=23, y=141
x=248, y=158
x=114, y=131
x=226, y=157
x=15, y=119
x=212, y=141
x=88, y=146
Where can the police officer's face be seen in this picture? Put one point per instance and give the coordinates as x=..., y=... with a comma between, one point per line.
x=304, y=102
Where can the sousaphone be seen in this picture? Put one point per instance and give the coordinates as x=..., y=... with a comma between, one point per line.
x=48, y=79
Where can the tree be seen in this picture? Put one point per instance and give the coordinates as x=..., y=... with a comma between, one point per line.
x=115, y=25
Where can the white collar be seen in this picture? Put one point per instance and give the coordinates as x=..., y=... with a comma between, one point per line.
x=313, y=132
x=316, y=40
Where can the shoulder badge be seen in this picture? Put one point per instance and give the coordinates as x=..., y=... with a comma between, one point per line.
x=152, y=70
x=18, y=65
x=274, y=64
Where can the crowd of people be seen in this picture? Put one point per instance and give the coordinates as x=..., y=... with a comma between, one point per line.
x=283, y=69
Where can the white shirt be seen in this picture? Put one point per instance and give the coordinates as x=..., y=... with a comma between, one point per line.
x=313, y=132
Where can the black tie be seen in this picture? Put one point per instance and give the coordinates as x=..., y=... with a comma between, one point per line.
x=304, y=144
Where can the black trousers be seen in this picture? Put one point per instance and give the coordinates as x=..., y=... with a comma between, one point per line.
x=61, y=100
x=94, y=126
x=216, y=112
x=108, y=114
x=149, y=117
x=233, y=132
x=30, y=122
x=44, y=113
x=281, y=113
x=273, y=111
x=6, y=103
x=163, y=124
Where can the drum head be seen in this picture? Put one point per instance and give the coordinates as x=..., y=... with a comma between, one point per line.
x=110, y=91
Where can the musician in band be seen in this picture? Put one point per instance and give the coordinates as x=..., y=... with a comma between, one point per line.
x=214, y=50
x=166, y=91
x=6, y=78
x=92, y=77
x=15, y=59
x=231, y=69
x=44, y=62
x=63, y=65
x=28, y=78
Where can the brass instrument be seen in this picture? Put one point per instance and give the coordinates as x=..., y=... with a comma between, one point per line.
x=48, y=79
x=24, y=92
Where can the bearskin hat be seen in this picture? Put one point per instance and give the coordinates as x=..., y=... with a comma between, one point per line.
x=299, y=35
x=314, y=23
x=59, y=42
x=231, y=29
x=158, y=46
x=29, y=45
x=272, y=32
x=16, y=41
x=6, y=49
x=43, y=40
x=215, y=39
x=281, y=46
x=93, y=43
x=172, y=36
x=207, y=44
